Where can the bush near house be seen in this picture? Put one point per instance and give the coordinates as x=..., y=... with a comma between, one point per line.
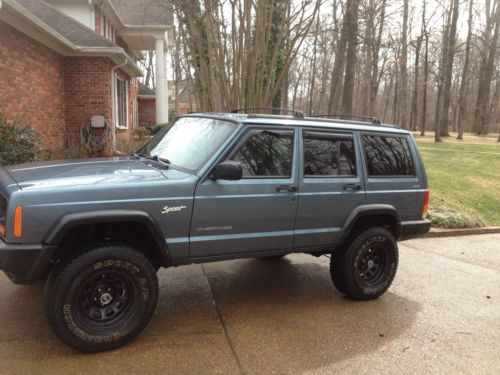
x=19, y=143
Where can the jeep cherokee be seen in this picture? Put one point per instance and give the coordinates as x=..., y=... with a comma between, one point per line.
x=209, y=187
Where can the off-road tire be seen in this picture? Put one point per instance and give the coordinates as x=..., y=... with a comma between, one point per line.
x=102, y=299
x=365, y=268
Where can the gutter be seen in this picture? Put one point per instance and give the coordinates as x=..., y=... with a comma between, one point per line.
x=113, y=104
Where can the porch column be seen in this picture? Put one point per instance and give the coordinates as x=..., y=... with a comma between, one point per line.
x=161, y=83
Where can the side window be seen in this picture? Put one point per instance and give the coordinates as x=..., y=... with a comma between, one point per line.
x=266, y=154
x=329, y=155
x=388, y=156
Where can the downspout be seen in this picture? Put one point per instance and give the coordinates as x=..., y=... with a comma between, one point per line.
x=113, y=104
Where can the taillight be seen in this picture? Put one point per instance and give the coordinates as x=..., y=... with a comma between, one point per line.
x=426, y=204
x=18, y=222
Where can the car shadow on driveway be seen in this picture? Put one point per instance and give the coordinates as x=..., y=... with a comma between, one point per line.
x=253, y=316
x=285, y=316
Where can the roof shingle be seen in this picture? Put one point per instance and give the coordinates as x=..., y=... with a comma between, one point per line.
x=145, y=12
x=74, y=31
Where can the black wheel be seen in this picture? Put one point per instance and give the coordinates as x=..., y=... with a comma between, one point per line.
x=102, y=299
x=365, y=268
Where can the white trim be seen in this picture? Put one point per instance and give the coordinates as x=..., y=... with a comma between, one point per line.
x=161, y=83
x=118, y=125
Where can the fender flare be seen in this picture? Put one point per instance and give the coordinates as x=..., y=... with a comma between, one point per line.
x=56, y=233
x=366, y=211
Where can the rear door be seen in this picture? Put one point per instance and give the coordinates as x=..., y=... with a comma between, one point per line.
x=391, y=174
x=257, y=213
x=330, y=185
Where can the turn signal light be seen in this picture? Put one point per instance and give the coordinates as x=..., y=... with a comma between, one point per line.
x=18, y=222
x=2, y=230
x=426, y=204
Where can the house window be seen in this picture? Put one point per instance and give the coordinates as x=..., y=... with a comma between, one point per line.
x=121, y=101
x=107, y=29
x=135, y=114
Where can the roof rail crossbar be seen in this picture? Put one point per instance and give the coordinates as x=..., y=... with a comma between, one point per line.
x=373, y=120
x=296, y=114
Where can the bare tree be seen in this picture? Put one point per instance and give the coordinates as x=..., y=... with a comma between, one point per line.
x=465, y=73
x=351, y=59
x=481, y=119
x=403, y=70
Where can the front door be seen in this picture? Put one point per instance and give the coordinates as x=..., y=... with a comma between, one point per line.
x=331, y=185
x=257, y=213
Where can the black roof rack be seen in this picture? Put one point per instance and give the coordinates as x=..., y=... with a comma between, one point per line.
x=296, y=114
x=373, y=120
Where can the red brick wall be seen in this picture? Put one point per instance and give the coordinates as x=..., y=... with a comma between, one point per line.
x=56, y=95
x=31, y=85
x=87, y=92
x=147, y=111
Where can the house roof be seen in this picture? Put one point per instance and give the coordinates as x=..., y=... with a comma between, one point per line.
x=144, y=90
x=77, y=33
x=144, y=12
x=58, y=31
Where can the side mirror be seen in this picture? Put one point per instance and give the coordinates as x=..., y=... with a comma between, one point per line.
x=228, y=170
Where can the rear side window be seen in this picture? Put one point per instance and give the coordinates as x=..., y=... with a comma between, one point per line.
x=266, y=154
x=388, y=156
x=328, y=155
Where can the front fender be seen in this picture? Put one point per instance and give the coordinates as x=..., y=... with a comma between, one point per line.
x=67, y=222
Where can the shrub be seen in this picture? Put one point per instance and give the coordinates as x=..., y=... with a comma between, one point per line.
x=19, y=143
x=448, y=218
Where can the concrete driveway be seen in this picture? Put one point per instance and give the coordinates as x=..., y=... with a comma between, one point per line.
x=441, y=315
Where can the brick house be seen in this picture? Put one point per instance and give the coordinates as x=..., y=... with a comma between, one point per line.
x=64, y=61
x=180, y=99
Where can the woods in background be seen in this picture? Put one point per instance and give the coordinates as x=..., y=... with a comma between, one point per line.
x=424, y=65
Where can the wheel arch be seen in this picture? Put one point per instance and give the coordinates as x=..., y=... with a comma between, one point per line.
x=69, y=223
x=371, y=215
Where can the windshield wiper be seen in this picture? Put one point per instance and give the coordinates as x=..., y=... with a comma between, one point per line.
x=164, y=161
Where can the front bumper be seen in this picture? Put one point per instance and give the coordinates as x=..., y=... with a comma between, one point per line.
x=24, y=264
x=414, y=229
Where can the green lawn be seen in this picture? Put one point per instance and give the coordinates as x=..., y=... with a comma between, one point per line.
x=464, y=175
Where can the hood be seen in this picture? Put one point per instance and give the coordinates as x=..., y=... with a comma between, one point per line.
x=64, y=173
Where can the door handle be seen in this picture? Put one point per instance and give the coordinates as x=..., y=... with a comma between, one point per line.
x=352, y=187
x=286, y=189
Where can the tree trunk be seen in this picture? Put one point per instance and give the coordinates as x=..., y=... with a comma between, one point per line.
x=426, y=80
x=463, y=83
x=403, y=88
x=414, y=106
x=449, y=71
x=351, y=60
x=481, y=118
x=340, y=58
x=375, y=79
x=313, y=71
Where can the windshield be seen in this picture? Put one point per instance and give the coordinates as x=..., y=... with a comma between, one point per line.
x=189, y=141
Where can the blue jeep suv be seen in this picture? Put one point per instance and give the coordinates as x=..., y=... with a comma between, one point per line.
x=208, y=187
